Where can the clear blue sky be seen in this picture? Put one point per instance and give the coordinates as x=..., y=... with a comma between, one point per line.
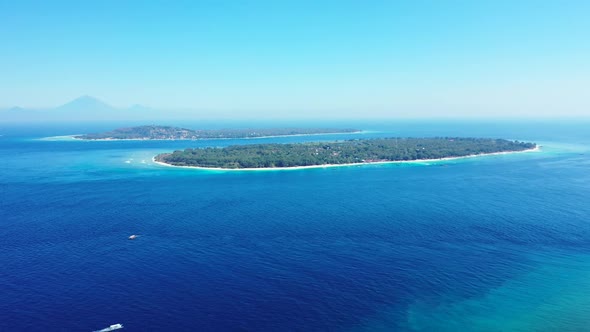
x=367, y=58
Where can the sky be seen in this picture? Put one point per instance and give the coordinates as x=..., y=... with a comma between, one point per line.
x=364, y=58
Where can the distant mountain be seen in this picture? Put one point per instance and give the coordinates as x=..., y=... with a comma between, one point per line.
x=84, y=108
x=17, y=113
x=85, y=104
x=87, y=108
x=15, y=109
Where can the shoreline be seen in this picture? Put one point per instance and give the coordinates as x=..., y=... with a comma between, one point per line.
x=73, y=137
x=535, y=149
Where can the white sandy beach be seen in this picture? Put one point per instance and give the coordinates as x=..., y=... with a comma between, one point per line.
x=535, y=149
x=58, y=138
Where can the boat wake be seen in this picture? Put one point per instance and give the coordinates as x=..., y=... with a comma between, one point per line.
x=111, y=328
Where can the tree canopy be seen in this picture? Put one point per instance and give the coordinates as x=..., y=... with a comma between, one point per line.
x=341, y=152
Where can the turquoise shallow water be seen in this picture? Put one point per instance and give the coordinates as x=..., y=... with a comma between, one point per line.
x=499, y=243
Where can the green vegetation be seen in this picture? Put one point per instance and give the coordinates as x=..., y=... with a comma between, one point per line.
x=342, y=152
x=176, y=133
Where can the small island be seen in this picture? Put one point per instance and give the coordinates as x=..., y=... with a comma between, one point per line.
x=177, y=133
x=350, y=152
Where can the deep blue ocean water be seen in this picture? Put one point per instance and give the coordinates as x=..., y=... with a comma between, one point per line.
x=497, y=243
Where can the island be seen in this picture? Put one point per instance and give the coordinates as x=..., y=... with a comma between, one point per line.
x=177, y=133
x=349, y=152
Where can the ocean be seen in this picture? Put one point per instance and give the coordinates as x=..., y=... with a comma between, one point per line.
x=495, y=243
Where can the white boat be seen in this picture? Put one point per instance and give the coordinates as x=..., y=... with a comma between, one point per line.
x=111, y=328
x=133, y=237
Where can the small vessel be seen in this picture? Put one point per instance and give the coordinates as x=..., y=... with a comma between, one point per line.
x=111, y=328
x=133, y=237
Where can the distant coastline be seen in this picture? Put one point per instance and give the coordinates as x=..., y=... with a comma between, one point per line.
x=168, y=133
x=535, y=149
x=73, y=137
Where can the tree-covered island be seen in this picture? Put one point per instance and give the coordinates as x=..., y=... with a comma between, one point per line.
x=337, y=153
x=176, y=133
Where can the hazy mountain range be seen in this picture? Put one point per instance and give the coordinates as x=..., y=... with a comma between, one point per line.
x=85, y=108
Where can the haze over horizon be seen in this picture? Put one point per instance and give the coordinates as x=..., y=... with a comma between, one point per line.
x=344, y=59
